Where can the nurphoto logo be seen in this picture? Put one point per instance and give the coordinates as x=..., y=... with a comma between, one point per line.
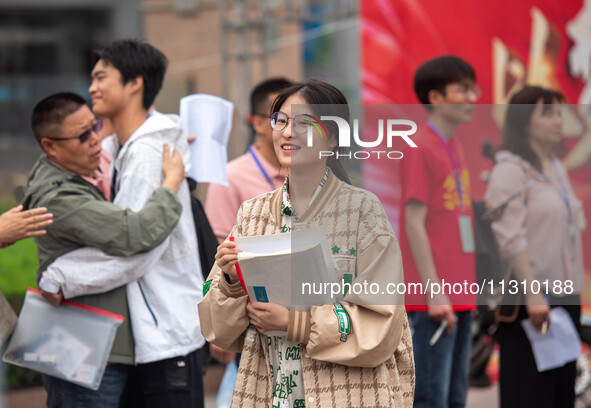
x=391, y=128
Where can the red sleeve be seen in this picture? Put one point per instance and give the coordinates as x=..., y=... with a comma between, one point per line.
x=414, y=175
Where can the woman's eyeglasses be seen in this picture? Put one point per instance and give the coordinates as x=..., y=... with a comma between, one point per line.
x=300, y=123
x=85, y=136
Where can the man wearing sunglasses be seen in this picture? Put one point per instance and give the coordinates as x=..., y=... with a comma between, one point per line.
x=68, y=179
x=164, y=285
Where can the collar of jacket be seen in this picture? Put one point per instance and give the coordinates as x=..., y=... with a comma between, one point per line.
x=46, y=176
x=158, y=128
x=319, y=202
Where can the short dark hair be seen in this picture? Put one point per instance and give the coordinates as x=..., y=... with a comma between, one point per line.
x=333, y=102
x=438, y=72
x=260, y=94
x=518, y=117
x=134, y=58
x=49, y=114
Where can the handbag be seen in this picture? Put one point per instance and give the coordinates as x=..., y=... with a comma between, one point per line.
x=206, y=239
x=508, y=309
x=489, y=265
x=491, y=268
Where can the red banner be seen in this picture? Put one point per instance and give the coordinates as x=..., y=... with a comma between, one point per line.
x=509, y=43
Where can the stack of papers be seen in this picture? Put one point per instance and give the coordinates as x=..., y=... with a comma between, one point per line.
x=293, y=269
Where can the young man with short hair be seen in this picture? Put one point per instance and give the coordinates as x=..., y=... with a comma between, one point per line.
x=436, y=233
x=164, y=284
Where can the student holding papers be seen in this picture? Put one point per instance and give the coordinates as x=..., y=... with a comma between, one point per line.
x=352, y=353
x=539, y=235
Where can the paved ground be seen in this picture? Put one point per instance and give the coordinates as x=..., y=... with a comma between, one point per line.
x=35, y=397
x=483, y=397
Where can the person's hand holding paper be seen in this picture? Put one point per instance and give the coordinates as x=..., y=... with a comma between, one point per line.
x=227, y=258
x=283, y=268
x=268, y=317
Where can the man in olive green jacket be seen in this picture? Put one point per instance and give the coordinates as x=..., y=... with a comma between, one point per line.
x=67, y=179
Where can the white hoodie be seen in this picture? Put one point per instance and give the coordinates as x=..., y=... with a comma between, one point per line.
x=165, y=284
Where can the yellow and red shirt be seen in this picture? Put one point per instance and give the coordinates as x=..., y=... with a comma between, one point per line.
x=427, y=176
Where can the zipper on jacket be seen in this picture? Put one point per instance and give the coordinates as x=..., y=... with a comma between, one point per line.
x=146, y=302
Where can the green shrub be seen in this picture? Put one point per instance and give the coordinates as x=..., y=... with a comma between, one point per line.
x=19, y=377
x=18, y=265
x=6, y=203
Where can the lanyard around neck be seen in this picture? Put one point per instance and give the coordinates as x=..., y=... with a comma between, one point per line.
x=454, y=166
x=261, y=168
x=563, y=190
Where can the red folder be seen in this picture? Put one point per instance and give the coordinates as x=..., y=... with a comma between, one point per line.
x=239, y=272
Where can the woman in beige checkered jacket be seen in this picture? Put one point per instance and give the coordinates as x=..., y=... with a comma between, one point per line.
x=356, y=353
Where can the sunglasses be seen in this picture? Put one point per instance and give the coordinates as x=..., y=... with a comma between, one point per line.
x=85, y=136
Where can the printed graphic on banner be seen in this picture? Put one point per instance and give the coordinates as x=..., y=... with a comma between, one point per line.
x=546, y=45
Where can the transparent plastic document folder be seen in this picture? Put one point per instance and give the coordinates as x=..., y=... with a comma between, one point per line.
x=72, y=341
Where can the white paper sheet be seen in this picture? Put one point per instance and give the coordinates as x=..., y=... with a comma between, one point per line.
x=275, y=266
x=559, y=345
x=209, y=119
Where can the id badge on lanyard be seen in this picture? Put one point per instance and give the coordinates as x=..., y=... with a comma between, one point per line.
x=464, y=220
x=467, y=234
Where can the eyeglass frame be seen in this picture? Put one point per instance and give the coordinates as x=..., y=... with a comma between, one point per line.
x=310, y=121
x=475, y=90
x=84, y=136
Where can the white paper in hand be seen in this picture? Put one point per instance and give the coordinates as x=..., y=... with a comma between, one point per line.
x=559, y=345
x=209, y=119
x=275, y=268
